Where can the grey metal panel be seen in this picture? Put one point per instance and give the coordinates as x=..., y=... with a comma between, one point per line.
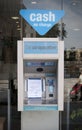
x=40, y=120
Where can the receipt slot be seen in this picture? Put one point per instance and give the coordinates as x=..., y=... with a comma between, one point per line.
x=40, y=74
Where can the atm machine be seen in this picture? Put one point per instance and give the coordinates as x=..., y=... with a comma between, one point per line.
x=40, y=74
x=40, y=83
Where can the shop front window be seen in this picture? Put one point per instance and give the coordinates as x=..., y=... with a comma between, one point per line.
x=12, y=28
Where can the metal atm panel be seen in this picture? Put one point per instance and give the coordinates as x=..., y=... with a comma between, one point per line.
x=44, y=69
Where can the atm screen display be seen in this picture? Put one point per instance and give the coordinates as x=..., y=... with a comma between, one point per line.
x=34, y=88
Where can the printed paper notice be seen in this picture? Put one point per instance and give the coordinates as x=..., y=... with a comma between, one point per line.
x=34, y=88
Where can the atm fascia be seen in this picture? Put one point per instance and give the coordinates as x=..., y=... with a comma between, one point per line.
x=40, y=74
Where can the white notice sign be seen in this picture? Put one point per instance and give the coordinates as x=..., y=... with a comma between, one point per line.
x=34, y=88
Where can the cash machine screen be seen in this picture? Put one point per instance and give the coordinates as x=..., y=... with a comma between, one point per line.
x=34, y=88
